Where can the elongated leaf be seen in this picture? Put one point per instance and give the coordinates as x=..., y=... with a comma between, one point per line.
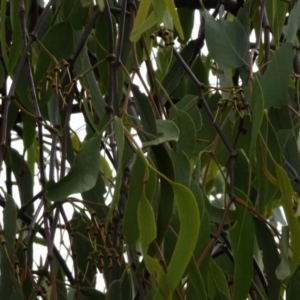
x=141, y=19
x=9, y=285
x=89, y=82
x=242, y=240
x=83, y=175
x=187, y=136
x=120, y=140
x=219, y=279
x=186, y=17
x=196, y=279
x=287, y=204
x=167, y=131
x=187, y=238
x=283, y=270
x=276, y=12
x=173, y=12
x=137, y=179
x=147, y=228
x=270, y=257
x=164, y=164
x=257, y=106
x=229, y=37
x=59, y=41
x=274, y=83
x=293, y=23
x=114, y=291
x=17, y=43
x=146, y=112
x=182, y=167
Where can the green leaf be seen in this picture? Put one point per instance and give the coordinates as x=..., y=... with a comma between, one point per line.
x=219, y=279
x=242, y=241
x=176, y=72
x=82, y=176
x=17, y=42
x=270, y=256
x=173, y=12
x=187, y=238
x=293, y=23
x=229, y=37
x=147, y=228
x=257, y=107
x=59, y=41
x=2, y=74
x=186, y=17
x=196, y=279
x=293, y=286
x=3, y=35
x=95, y=198
x=187, y=137
x=165, y=199
x=182, y=167
x=22, y=174
x=145, y=111
x=75, y=13
x=10, y=288
x=167, y=131
x=141, y=19
x=120, y=140
x=114, y=291
x=28, y=131
x=283, y=271
x=89, y=82
x=287, y=204
x=275, y=80
x=137, y=179
x=276, y=13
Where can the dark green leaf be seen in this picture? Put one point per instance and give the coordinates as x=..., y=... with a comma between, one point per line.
x=229, y=37
x=270, y=257
x=82, y=176
x=59, y=41
x=167, y=131
x=10, y=288
x=275, y=81
x=293, y=23
x=242, y=240
x=137, y=179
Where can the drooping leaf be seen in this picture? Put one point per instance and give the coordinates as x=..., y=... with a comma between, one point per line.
x=59, y=41
x=219, y=279
x=120, y=140
x=257, y=107
x=82, y=176
x=17, y=41
x=146, y=112
x=173, y=12
x=137, y=178
x=293, y=23
x=186, y=17
x=9, y=286
x=187, y=136
x=287, y=204
x=187, y=238
x=147, y=228
x=275, y=80
x=276, y=12
x=142, y=22
x=242, y=240
x=167, y=131
x=229, y=36
x=270, y=257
